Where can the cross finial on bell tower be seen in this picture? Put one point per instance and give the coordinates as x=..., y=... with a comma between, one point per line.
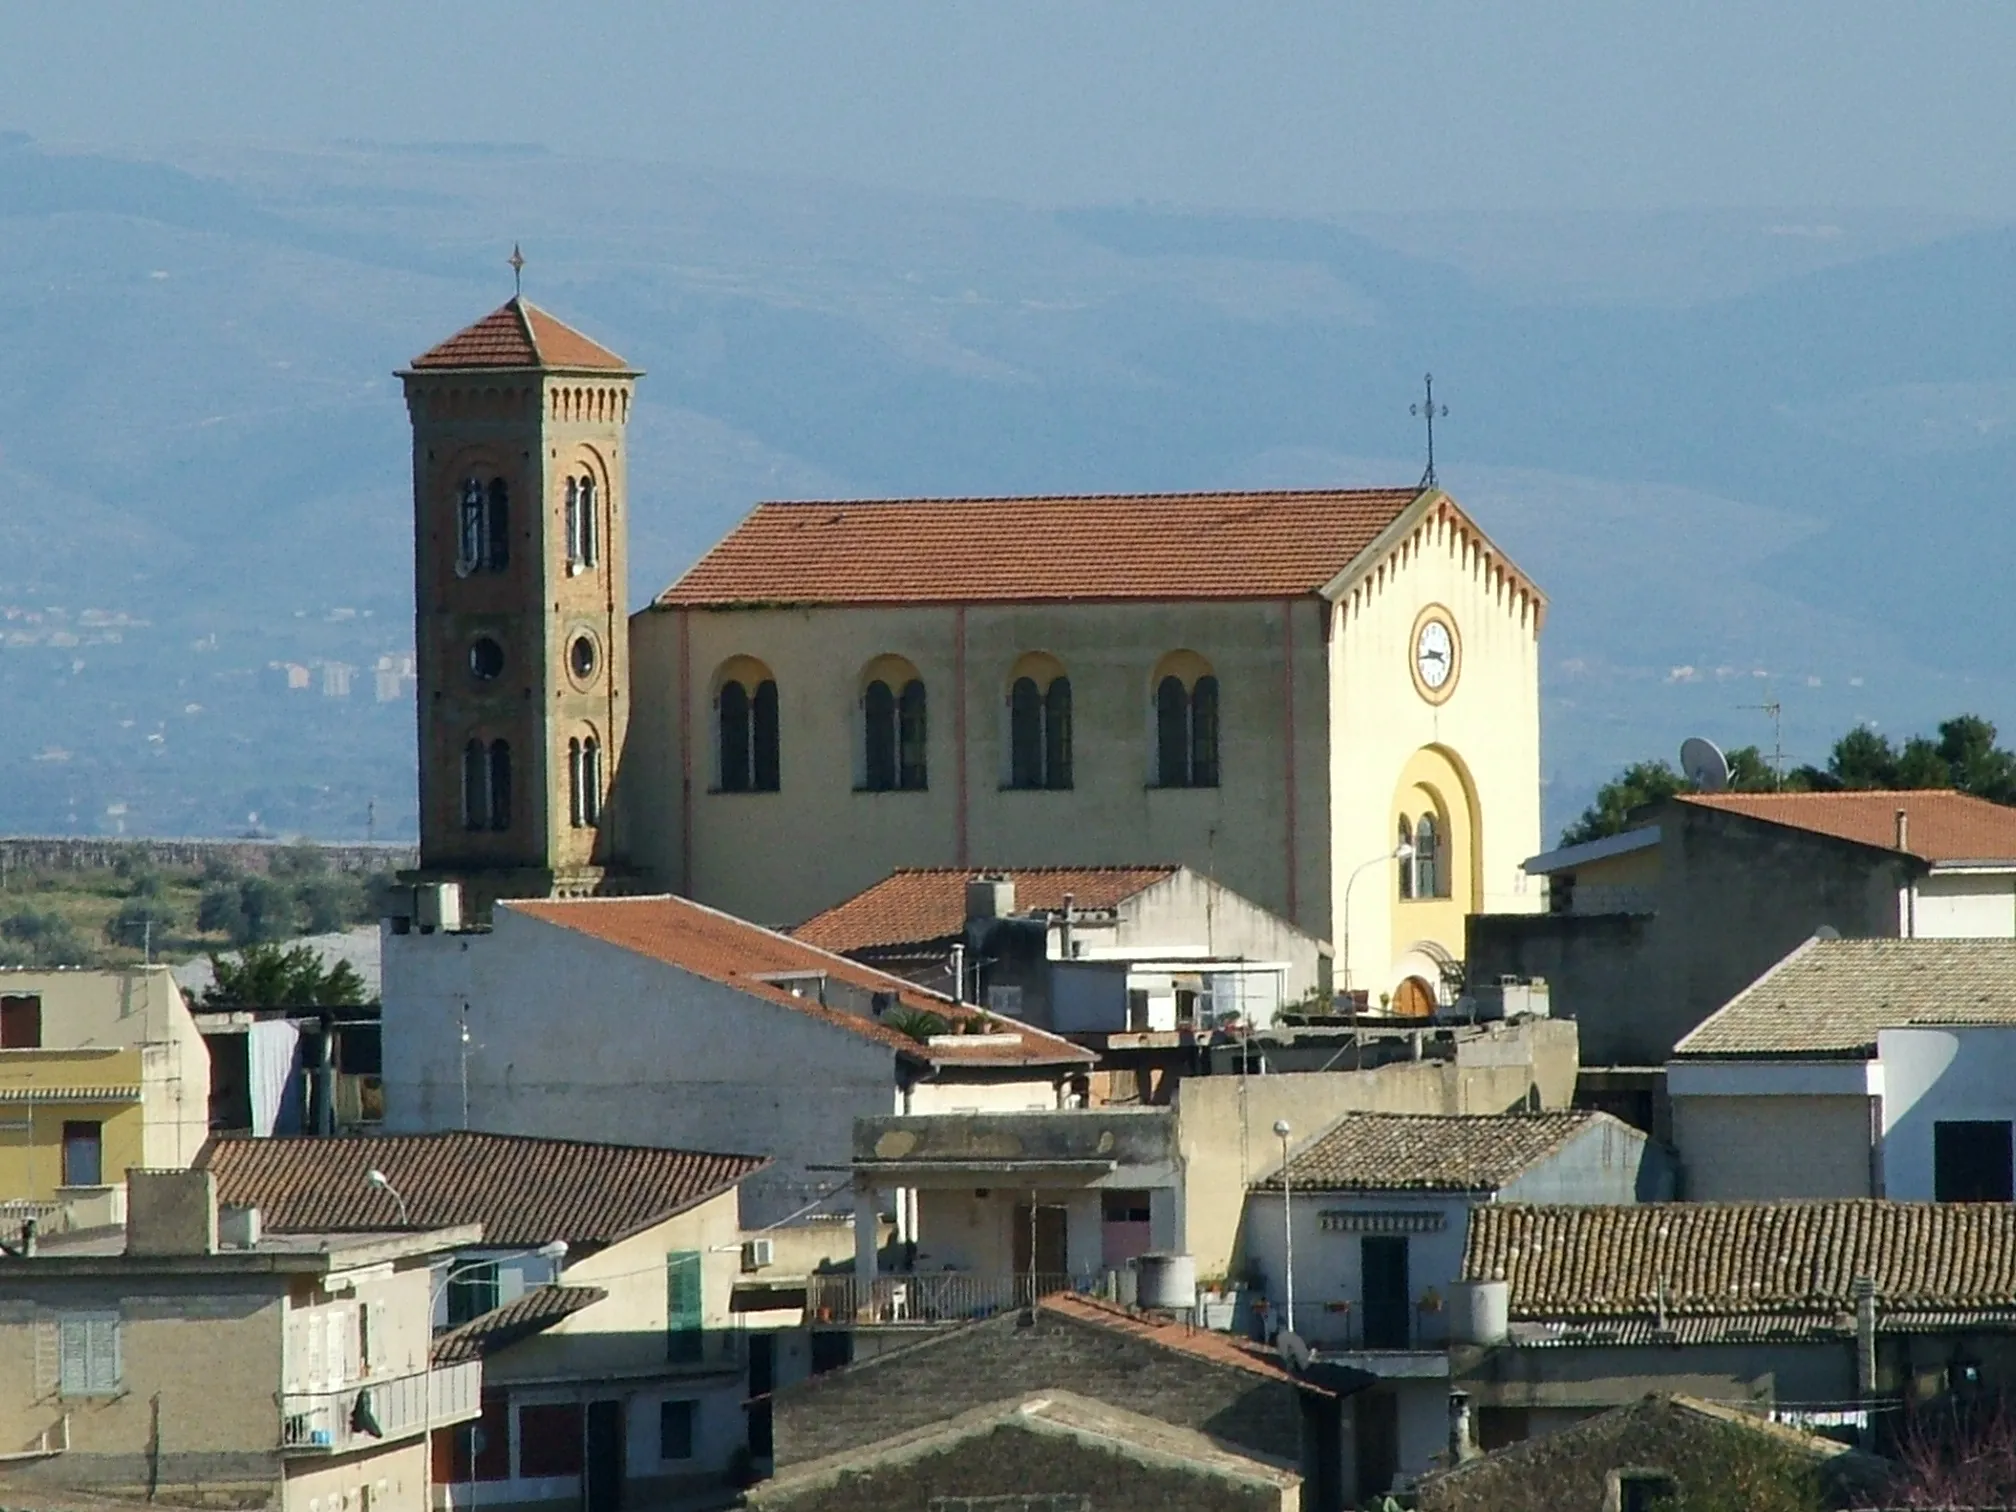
x=1427, y=409
x=517, y=262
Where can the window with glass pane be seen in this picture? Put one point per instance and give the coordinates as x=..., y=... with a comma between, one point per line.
x=684, y=1307
x=675, y=1430
x=472, y=1291
x=910, y=733
x=83, y=1153
x=1057, y=734
x=878, y=708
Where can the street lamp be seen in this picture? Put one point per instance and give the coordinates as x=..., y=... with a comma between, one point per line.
x=377, y=1178
x=1401, y=852
x=1281, y=1132
x=554, y=1250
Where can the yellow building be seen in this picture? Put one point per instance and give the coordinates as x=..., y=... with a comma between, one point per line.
x=1267, y=687
x=100, y=1071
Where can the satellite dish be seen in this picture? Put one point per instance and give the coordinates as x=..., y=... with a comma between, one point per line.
x=1704, y=764
x=1295, y=1353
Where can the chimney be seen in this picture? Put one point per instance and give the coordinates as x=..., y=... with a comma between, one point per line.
x=239, y=1227
x=1903, y=829
x=990, y=897
x=1462, y=1443
x=1065, y=942
x=171, y=1212
x=1865, y=1337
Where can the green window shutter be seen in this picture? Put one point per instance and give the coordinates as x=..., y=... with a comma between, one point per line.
x=683, y=1308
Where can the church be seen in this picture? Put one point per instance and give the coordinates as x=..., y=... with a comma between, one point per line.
x=1326, y=700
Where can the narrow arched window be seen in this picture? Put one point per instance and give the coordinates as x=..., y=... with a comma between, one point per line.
x=1057, y=734
x=911, y=734
x=577, y=803
x=1204, y=732
x=733, y=716
x=1407, y=866
x=1025, y=734
x=469, y=523
x=500, y=785
x=763, y=738
x=591, y=524
x=879, y=710
x=573, y=523
x=591, y=781
x=475, y=786
x=1172, y=733
x=497, y=528
x=1430, y=879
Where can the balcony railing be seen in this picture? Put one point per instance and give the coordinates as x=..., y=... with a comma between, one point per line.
x=937, y=1297
x=1375, y=1327
x=396, y=1406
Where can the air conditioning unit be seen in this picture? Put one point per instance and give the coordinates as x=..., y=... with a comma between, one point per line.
x=758, y=1253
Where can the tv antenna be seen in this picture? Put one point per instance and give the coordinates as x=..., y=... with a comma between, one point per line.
x=1776, y=710
x=1704, y=764
x=1427, y=409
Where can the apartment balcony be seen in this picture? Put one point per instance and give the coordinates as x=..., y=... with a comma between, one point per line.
x=937, y=1297
x=396, y=1407
x=1390, y=1339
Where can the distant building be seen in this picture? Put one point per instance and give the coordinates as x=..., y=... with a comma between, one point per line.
x=1650, y=931
x=336, y=679
x=1856, y=1068
x=188, y=1358
x=100, y=1072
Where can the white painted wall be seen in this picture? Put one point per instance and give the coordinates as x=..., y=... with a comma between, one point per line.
x=1327, y=1267
x=574, y=1038
x=1932, y=1075
x=1189, y=913
x=1965, y=905
x=1036, y=1093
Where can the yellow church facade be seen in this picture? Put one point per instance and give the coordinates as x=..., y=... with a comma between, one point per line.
x=1326, y=700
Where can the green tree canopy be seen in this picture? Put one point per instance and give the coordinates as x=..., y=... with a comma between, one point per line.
x=265, y=976
x=1645, y=783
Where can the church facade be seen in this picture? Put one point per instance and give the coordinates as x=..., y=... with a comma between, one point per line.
x=1328, y=700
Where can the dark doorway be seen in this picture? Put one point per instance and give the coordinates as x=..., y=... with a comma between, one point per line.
x=602, y=1481
x=1039, y=1247
x=762, y=1381
x=1388, y=1303
x=1377, y=1421
x=1971, y=1161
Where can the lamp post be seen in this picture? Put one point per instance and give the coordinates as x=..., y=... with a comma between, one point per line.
x=554, y=1250
x=1281, y=1131
x=1401, y=852
x=377, y=1178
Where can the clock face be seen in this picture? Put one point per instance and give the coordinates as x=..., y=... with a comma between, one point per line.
x=1435, y=655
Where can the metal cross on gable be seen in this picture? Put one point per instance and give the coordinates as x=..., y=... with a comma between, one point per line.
x=517, y=262
x=1427, y=409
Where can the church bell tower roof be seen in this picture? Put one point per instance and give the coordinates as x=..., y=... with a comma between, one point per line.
x=518, y=334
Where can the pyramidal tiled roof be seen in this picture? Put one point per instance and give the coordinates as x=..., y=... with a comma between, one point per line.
x=916, y=905
x=518, y=334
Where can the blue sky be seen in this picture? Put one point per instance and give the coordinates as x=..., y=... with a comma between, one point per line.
x=1285, y=108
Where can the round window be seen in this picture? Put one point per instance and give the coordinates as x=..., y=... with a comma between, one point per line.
x=486, y=658
x=581, y=657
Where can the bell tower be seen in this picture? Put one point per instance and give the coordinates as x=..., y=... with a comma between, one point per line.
x=520, y=515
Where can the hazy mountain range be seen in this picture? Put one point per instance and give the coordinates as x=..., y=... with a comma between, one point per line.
x=1751, y=455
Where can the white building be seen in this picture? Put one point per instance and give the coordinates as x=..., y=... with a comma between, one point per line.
x=1379, y=1206
x=659, y=1021
x=1855, y=1068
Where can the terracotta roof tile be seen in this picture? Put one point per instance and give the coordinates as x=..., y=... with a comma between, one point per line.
x=523, y=1316
x=1941, y=825
x=747, y=956
x=1744, y=1259
x=1428, y=1152
x=520, y=335
x=523, y=1190
x=1830, y=998
x=1184, y=1338
x=916, y=905
x=948, y=551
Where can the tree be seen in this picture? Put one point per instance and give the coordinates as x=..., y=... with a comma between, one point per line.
x=29, y=938
x=303, y=858
x=141, y=921
x=1954, y=1454
x=266, y=976
x=1645, y=783
x=329, y=902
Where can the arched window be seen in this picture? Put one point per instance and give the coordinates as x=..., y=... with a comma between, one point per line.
x=893, y=730
x=1057, y=734
x=1039, y=724
x=497, y=527
x=470, y=520
x=1186, y=722
x=1025, y=734
x=583, y=528
x=475, y=786
x=500, y=785
x=745, y=714
x=584, y=782
x=910, y=737
x=1430, y=875
x=1406, y=867
x=879, y=708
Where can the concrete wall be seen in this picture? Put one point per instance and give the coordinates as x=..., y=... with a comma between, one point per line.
x=1595, y=1377
x=1605, y=1163
x=1327, y=1264
x=574, y=1038
x=1189, y=910
x=119, y=1027
x=397, y=1479
x=1935, y=1075
x=983, y=1362
x=207, y=1349
x=1226, y=1140
x=1739, y=1149
x=1964, y=905
x=1734, y=897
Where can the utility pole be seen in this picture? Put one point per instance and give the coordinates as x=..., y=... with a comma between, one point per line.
x=465, y=1066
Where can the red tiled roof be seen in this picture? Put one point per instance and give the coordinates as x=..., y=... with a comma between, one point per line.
x=917, y=904
x=742, y=955
x=530, y=1313
x=1203, y=1343
x=949, y=551
x=1941, y=825
x=520, y=335
x=523, y=1190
